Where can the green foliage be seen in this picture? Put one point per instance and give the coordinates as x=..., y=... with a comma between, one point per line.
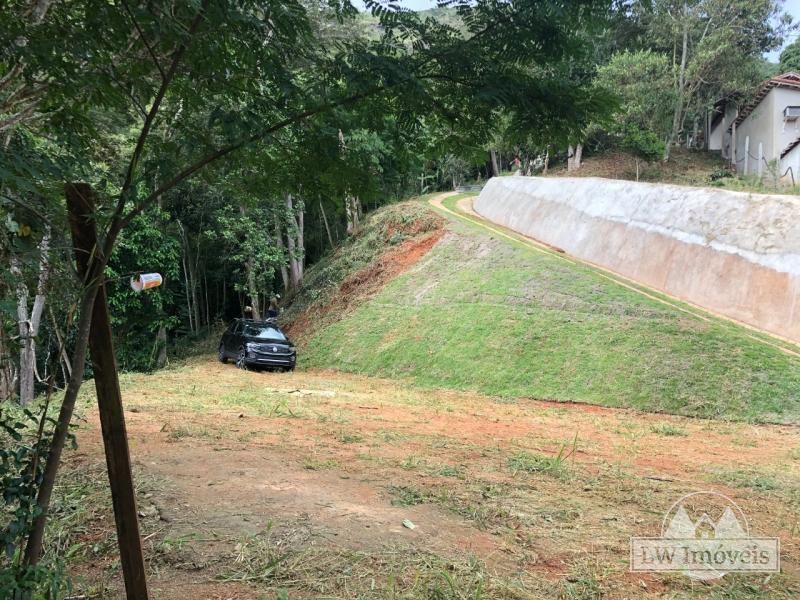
x=453, y=169
x=668, y=430
x=246, y=235
x=725, y=41
x=243, y=102
x=136, y=317
x=642, y=143
x=22, y=452
x=643, y=82
x=208, y=119
x=525, y=462
x=790, y=57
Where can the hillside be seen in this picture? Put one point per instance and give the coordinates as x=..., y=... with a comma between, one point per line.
x=482, y=313
x=390, y=241
x=685, y=167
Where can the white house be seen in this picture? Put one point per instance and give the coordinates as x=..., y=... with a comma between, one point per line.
x=767, y=129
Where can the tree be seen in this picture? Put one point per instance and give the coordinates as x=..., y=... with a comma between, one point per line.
x=642, y=81
x=454, y=168
x=141, y=320
x=29, y=318
x=790, y=57
x=172, y=91
x=710, y=42
x=643, y=144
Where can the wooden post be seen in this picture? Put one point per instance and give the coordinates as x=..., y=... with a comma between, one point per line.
x=80, y=206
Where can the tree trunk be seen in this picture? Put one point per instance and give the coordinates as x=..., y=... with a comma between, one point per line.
x=29, y=323
x=279, y=241
x=193, y=325
x=348, y=215
x=576, y=160
x=252, y=288
x=66, y=366
x=189, y=310
x=295, y=241
x=90, y=285
x=8, y=373
x=327, y=227
x=205, y=293
x=495, y=167
x=188, y=294
x=161, y=340
x=351, y=207
x=570, y=155
x=677, y=116
x=301, y=239
x=290, y=243
x=546, y=160
x=192, y=261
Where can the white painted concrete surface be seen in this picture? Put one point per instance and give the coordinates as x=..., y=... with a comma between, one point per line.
x=734, y=253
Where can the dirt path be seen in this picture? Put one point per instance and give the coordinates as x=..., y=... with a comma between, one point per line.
x=252, y=482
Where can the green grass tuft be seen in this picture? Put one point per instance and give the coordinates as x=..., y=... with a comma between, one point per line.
x=668, y=429
x=526, y=462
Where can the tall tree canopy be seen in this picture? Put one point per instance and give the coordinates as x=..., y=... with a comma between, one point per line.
x=790, y=57
x=186, y=118
x=716, y=48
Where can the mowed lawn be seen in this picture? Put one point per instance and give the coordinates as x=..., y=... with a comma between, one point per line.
x=483, y=313
x=297, y=485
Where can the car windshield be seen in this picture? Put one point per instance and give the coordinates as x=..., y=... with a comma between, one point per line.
x=264, y=332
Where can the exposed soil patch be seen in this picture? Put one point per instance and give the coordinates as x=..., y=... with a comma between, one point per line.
x=361, y=285
x=315, y=473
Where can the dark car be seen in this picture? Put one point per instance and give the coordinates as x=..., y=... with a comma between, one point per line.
x=257, y=343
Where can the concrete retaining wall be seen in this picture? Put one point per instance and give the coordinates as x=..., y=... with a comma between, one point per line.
x=734, y=253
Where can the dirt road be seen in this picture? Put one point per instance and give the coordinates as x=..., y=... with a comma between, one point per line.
x=252, y=482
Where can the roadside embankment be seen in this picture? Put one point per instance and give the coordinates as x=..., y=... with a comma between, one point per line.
x=733, y=253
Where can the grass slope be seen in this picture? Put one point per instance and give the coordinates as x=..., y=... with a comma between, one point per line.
x=481, y=313
x=697, y=168
x=361, y=265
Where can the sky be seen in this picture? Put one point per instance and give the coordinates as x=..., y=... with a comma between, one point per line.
x=415, y=4
x=424, y=4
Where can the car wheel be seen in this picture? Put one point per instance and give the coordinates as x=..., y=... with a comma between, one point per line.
x=222, y=356
x=241, y=360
